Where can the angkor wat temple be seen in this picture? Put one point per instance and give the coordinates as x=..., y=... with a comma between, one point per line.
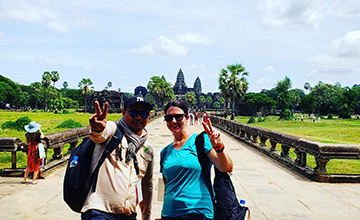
x=115, y=98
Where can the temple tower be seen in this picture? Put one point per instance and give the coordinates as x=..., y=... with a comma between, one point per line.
x=180, y=85
x=197, y=87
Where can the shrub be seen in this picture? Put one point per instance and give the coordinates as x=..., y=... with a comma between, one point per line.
x=16, y=125
x=330, y=116
x=285, y=114
x=251, y=120
x=261, y=119
x=69, y=124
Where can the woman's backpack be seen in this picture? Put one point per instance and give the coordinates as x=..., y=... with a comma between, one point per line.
x=226, y=204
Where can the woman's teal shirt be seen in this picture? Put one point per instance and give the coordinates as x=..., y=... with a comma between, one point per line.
x=185, y=190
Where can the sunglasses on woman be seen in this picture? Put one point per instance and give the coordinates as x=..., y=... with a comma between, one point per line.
x=178, y=117
x=134, y=114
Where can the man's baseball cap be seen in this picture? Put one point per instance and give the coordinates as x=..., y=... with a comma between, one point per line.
x=128, y=102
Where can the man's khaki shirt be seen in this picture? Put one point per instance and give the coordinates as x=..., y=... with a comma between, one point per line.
x=118, y=186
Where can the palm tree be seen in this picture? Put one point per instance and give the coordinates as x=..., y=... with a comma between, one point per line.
x=87, y=88
x=190, y=98
x=209, y=101
x=201, y=101
x=307, y=86
x=160, y=90
x=65, y=84
x=232, y=88
x=46, y=79
x=55, y=76
x=222, y=101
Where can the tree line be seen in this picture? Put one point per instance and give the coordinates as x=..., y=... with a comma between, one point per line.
x=321, y=99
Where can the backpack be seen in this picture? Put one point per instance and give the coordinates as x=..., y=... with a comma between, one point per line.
x=226, y=205
x=41, y=149
x=79, y=180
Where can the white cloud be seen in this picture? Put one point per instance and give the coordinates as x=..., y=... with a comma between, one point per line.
x=342, y=58
x=197, y=39
x=195, y=68
x=162, y=46
x=58, y=27
x=44, y=13
x=263, y=83
x=348, y=45
x=268, y=69
x=279, y=13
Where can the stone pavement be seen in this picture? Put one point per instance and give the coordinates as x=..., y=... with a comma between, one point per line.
x=270, y=190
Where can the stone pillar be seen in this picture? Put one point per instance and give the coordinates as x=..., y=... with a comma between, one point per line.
x=285, y=150
x=300, y=157
x=273, y=145
x=263, y=141
x=321, y=165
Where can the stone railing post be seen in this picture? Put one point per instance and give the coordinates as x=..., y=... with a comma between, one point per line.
x=321, y=165
x=300, y=157
x=273, y=145
x=285, y=150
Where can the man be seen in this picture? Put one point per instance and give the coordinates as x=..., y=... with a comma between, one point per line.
x=125, y=177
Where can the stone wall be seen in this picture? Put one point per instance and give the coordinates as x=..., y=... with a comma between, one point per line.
x=267, y=141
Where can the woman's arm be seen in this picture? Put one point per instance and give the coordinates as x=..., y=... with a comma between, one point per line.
x=217, y=154
x=222, y=160
x=42, y=136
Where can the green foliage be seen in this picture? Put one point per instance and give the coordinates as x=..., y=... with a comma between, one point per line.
x=307, y=104
x=330, y=116
x=261, y=119
x=285, y=114
x=255, y=102
x=216, y=104
x=284, y=98
x=251, y=120
x=233, y=88
x=16, y=125
x=160, y=90
x=55, y=77
x=190, y=98
x=344, y=112
x=70, y=123
x=46, y=79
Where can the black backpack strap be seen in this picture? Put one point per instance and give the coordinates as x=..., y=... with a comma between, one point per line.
x=204, y=162
x=113, y=143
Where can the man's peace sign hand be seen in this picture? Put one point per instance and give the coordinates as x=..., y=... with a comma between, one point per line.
x=213, y=134
x=98, y=120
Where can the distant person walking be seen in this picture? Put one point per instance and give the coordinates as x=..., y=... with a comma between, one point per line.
x=33, y=138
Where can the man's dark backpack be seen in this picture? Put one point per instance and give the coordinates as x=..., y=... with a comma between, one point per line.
x=226, y=205
x=78, y=180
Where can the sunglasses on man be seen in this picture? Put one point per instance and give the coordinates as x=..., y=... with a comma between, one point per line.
x=134, y=114
x=178, y=117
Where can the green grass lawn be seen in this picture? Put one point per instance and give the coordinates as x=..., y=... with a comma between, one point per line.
x=48, y=121
x=338, y=131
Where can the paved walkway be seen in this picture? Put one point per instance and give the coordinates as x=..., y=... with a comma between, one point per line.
x=270, y=190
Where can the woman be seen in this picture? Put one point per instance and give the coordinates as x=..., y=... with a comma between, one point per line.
x=33, y=138
x=186, y=194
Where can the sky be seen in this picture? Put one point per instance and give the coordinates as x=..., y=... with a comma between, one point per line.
x=126, y=42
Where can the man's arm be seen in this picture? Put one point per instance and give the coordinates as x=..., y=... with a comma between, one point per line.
x=101, y=137
x=147, y=191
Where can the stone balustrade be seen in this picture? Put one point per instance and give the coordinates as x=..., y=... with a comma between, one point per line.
x=55, y=141
x=267, y=141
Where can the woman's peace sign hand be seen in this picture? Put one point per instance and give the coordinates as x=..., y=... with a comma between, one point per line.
x=98, y=120
x=214, y=135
